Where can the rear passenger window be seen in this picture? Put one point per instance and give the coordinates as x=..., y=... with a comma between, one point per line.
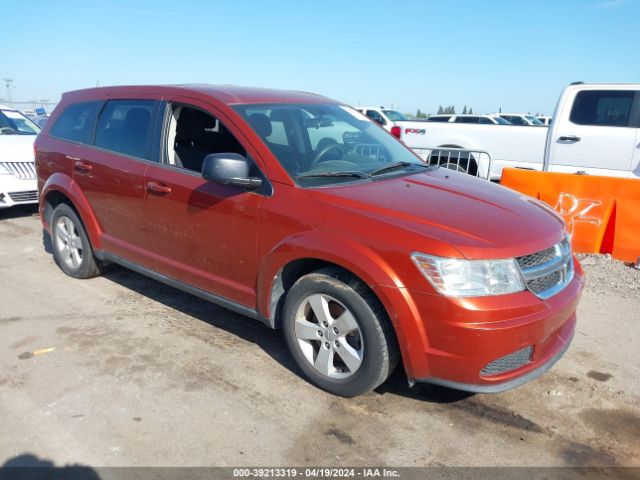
x=602, y=107
x=125, y=126
x=76, y=122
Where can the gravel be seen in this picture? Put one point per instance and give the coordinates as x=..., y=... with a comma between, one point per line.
x=607, y=276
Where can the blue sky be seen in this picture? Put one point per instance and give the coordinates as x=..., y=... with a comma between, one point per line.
x=514, y=54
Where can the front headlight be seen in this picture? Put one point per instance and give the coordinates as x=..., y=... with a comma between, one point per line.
x=456, y=277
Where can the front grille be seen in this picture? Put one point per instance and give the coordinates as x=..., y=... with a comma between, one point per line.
x=547, y=272
x=538, y=258
x=542, y=284
x=28, y=196
x=508, y=362
x=23, y=170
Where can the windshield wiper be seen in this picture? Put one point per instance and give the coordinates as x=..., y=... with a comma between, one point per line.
x=394, y=166
x=347, y=173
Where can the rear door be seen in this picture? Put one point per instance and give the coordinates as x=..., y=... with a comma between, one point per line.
x=598, y=135
x=110, y=173
x=202, y=233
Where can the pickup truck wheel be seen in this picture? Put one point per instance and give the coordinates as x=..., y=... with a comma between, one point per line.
x=338, y=333
x=449, y=159
x=72, y=250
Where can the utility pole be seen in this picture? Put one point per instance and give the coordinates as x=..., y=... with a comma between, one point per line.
x=8, y=83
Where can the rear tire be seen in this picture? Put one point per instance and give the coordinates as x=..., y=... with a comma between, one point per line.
x=72, y=250
x=338, y=333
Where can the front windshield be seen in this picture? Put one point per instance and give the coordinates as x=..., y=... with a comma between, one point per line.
x=534, y=120
x=501, y=121
x=325, y=143
x=394, y=116
x=13, y=122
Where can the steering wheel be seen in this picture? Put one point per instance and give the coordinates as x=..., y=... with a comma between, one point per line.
x=325, y=150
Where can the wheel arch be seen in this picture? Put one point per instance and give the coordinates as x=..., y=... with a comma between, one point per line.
x=310, y=251
x=60, y=188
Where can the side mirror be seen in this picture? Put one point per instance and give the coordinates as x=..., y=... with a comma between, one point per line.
x=229, y=169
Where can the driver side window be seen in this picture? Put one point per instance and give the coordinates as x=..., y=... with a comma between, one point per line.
x=192, y=134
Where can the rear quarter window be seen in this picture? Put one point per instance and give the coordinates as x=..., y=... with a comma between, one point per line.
x=602, y=108
x=76, y=122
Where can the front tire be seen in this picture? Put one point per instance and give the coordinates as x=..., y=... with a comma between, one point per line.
x=72, y=250
x=338, y=333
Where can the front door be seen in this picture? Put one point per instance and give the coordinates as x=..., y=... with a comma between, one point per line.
x=202, y=233
x=599, y=137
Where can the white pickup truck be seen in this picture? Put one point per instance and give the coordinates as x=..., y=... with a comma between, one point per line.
x=595, y=131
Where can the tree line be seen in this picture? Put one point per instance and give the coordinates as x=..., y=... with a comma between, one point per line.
x=448, y=110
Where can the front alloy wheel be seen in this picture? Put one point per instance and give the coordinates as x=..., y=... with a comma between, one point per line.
x=329, y=336
x=338, y=332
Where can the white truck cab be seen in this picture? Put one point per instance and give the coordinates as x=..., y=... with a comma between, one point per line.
x=596, y=131
x=17, y=169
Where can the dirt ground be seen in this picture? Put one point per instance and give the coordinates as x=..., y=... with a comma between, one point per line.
x=123, y=371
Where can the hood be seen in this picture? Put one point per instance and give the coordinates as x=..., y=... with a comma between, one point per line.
x=16, y=148
x=478, y=218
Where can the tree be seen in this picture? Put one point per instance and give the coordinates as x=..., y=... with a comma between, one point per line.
x=440, y=110
x=500, y=110
x=470, y=110
x=464, y=110
x=420, y=114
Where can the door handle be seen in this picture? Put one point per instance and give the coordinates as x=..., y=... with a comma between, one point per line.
x=81, y=167
x=569, y=138
x=155, y=187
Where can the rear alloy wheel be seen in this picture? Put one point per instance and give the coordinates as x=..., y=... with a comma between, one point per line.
x=71, y=247
x=68, y=242
x=338, y=333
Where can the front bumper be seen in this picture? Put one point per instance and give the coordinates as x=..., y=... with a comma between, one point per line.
x=451, y=340
x=17, y=191
x=514, y=382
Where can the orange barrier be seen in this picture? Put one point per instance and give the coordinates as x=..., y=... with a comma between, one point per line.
x=602, y=213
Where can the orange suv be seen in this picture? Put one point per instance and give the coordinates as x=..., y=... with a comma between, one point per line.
x=300, y=212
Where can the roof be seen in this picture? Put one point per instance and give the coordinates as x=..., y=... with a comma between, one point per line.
x=229, y=94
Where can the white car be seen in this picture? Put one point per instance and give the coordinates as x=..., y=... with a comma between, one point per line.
x=519, y=119
x=18, y=183
x=468, y=118
x=545, y=119
x=594, y=131
x=385, y=117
